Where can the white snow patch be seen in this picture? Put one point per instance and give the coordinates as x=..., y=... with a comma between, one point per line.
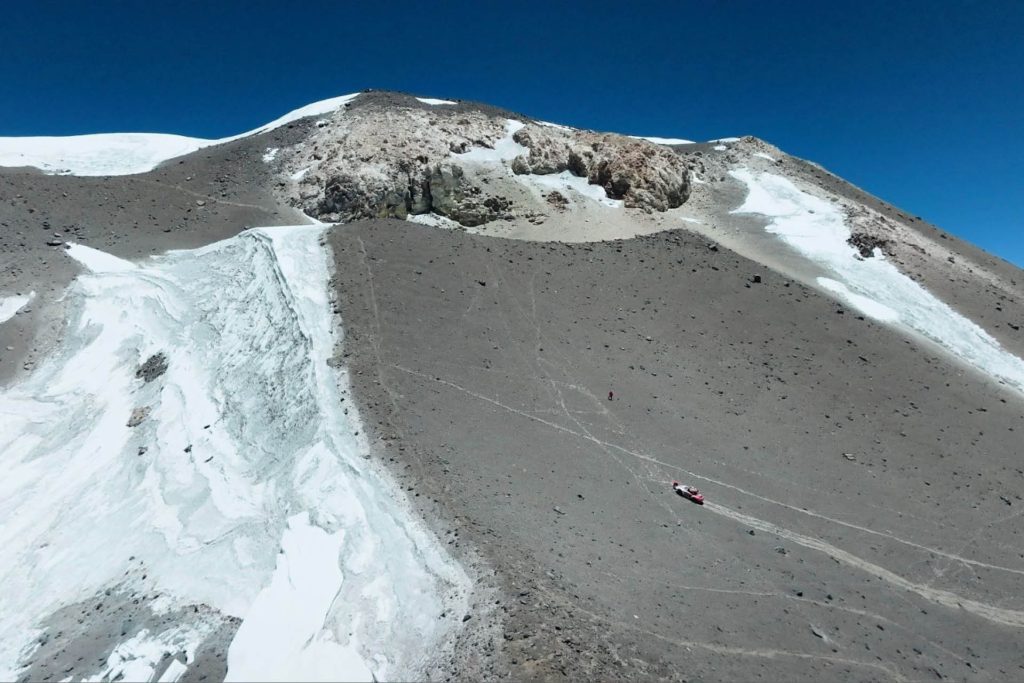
x=764, y=156
x=548, y=124
x=817, y=230
x=103, y=154
x=720, y=148
x=662, y=141
x=314, y=109
x=725, y=140
x=567, y=181
x=300, y=174
x=98, y=261
x=863, y=304
x=282, y=636
x=505, y=149
x=691, y=220
x=247, y=429
x=435, y=221
x=433, y=101
x=137, y=658
x=270, y=154
x=10, y=305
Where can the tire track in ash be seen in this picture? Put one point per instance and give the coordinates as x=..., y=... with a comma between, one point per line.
x=999, y=615
x=1004, y=617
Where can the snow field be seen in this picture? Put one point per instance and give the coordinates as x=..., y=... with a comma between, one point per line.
x=817, y=230
x=252, y=496
x=105, y=154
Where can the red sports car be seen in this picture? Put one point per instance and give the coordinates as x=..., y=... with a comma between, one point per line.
x=691, y=493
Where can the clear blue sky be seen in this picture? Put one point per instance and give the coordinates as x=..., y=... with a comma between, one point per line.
x=921, y=103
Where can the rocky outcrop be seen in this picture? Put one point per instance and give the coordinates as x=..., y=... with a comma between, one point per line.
x=442, y=189
x=643, y=175
x=866, y=243
x=377, y=163
x=154, y=366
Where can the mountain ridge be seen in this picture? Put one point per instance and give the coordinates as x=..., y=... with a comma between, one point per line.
x=528, y=360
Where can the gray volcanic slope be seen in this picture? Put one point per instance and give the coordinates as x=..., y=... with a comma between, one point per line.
x=188, y=202
x=864, y=488
x=861, y=489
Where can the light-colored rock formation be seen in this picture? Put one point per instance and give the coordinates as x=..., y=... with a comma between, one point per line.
x=373, y=162
x=642, y=174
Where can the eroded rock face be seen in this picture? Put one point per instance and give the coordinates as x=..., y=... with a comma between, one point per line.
x=642, y=174
x=442, y=189
x=379, y=163
x=393, y=162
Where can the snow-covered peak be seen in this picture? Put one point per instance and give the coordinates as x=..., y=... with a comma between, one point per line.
x=104, y=154
x=314, y=109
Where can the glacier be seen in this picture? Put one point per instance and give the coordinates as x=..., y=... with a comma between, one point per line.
x=245, y=486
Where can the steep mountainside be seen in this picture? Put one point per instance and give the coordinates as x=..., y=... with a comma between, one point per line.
x=427, y=426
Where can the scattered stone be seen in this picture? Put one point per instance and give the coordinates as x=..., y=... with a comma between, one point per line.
x=557, y=200
x=138, y=415
x=866, y=244
x=154, y=366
